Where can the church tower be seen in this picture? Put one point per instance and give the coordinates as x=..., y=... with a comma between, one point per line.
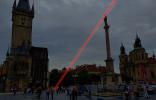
x=22, y=17
x=21, y=63
x=123, y=64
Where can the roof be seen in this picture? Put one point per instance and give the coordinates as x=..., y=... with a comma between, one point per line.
x=91, y=68
x=39, y=48
x=151, y=60
x=39, y=53
x=23, y=5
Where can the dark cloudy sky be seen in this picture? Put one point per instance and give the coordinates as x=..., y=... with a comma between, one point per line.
x=63, y=25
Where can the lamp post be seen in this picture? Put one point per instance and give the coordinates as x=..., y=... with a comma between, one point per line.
x=75, y=76
x=4, y=82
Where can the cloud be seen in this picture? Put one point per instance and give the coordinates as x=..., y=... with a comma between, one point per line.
x=63, y=25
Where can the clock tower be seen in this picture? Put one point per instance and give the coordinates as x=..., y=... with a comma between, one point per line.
x=22, y=17
x=21, y=68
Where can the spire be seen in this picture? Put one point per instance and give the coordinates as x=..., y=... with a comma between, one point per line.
x=23, y=5
x=137, y=43
x=14, y=5
x=7, y=54
x=32, y=9
x=153, y=56
x=122, y=49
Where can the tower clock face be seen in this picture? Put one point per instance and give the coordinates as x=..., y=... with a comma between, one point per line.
x=22, y=21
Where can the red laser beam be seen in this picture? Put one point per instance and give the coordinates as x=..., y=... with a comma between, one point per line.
x=94, y=30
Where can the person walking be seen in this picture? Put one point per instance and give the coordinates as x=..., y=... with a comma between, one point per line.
x=126, y=92
x=14, y=90
x=73, y=95
x=25, y=91
x=136, y=91
x=47, y=93
x=67, y=92
x=146, y=95
x=90, y=95
x=76, y=93
x=52, y=93
x=39, y=92
x=70, y=94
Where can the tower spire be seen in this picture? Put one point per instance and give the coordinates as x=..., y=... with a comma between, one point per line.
x=137, y=43
x=122, y=49
x=23, y=5
x=7, y=54
x=20, y=17
x=32, y=9
x=153, y=55
x=14, y=5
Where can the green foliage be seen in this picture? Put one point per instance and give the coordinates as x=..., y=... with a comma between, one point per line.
x=82, y=78
x=54, y=76
x=68, y=80
x=86, y=78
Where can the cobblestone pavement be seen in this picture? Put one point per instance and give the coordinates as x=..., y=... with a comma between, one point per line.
x=9, y=96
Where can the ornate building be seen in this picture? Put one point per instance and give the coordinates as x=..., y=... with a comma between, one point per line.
x=91, y=69
x=25, y=65
x=137, y=66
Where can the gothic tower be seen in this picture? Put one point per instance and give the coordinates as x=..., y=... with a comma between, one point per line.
x=123, y=63
x=22, y=17
x=109, y=60
x=19, y=67
x=21, y=64
x=137, y=43
x=138, y=55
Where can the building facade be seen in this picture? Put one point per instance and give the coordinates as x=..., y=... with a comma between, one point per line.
x=91, y=69
x=39, y=65
x=25, y=65
x=137, y=65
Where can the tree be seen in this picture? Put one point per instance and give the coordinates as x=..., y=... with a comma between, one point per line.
x=54, y=76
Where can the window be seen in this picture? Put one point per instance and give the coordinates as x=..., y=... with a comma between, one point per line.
x=142, y=56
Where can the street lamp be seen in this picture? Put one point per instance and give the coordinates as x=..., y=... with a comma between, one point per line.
x=75, y=76
x=4, y=82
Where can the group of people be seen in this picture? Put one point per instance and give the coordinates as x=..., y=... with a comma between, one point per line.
x=31, y=91
x=14, y=90
x=61, y=90
x=135, y=91
x=72, y=93
x=49, y=92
